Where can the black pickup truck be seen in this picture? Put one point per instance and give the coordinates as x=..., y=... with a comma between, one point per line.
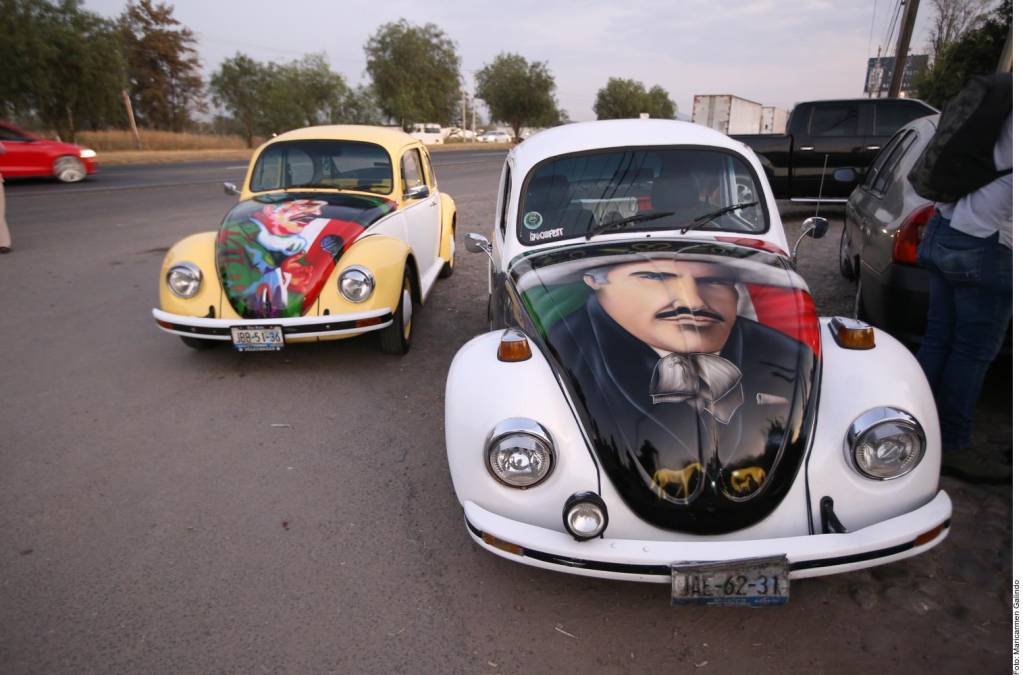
x=822, y=136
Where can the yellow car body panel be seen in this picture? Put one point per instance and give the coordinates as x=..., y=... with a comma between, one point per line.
x=200, y=250
x=385, y=257
x=447, y=230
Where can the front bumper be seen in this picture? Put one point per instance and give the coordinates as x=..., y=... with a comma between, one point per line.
x=327, y=325
x=633, y=560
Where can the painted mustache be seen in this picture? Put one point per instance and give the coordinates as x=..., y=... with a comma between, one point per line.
x=687, y=311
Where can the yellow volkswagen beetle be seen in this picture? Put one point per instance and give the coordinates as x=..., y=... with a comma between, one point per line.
x=339, y=230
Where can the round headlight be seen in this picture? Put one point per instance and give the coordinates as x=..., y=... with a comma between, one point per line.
x=356, y=283
x=885, y=443
x=184, y=279
x=585, y=515
x=86, y=153
x=519, y=453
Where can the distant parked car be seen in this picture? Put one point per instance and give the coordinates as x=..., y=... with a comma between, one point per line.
x=461, y=135
x=429, y=134
x=884, y=222
x=495, y=137
x=28, y=156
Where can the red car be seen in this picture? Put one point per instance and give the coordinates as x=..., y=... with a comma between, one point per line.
x=27, y=155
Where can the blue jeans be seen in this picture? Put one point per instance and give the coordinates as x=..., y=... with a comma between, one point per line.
x=969, y=310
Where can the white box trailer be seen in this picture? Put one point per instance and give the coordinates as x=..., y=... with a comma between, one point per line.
x=727, y=113
x=773, y=120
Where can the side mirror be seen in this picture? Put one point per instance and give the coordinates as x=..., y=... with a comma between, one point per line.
x=418, y=192
x=846, y=175
x=477, y=243
x=815, y=227
x=231, y=189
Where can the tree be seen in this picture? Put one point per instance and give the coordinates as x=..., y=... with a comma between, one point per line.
x=358, y=107
x=952, y=18
x=623, y=99
x=414, y=71
x=59, y=65
x=976, y=52
x=237, y=86
x=163, y=67
x=518, y=93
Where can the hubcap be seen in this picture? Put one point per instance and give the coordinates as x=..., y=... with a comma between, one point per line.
x=406, y=311
x=69, y=170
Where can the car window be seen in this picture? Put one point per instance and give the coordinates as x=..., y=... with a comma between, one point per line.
x=430, y=171
x=411, y=170
x=879, y=161
x=834, y=119
x=893, y=115
x=505, y=191
x=323, y=163
x=12, y=135
x=887, y=171
x=658, y=188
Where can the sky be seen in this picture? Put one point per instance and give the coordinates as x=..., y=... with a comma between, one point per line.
x=775, y=52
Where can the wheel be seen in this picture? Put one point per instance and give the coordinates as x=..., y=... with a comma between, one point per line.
x=396, y=338
x=449, y=266
x=848, y=263
x=68, y=169
x=196, y=343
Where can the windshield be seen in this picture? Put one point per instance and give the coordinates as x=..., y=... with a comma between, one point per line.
x=651, y=188
x=343, y=165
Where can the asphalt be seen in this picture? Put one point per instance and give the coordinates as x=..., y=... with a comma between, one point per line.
x=170, y=511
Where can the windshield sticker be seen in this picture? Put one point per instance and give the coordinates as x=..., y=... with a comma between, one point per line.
x=533, y=220
x=549, y=234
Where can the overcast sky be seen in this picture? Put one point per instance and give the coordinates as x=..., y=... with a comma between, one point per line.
x=776, y=52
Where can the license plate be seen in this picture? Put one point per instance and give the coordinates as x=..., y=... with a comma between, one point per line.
x=752, y=581
x=257, y=338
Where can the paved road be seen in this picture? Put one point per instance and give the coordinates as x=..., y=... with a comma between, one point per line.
x=169, y=511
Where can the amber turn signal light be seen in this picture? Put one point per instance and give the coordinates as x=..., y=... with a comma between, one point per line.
x=930, y=535
x=501, y=544
x=851, y=333
x=514, y=346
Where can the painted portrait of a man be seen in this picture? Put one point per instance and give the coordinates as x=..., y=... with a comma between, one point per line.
x=689, y=392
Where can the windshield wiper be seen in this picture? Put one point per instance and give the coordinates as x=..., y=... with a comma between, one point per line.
x=700, y=221
x=620, y=223
x=319, y=186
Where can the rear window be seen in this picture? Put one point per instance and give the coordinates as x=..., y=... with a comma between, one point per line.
x=893, y=115
x=346, y=165
x=639, y=189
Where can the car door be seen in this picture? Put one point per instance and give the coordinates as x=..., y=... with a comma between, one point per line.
x=832, y=132
x=422, y=216
x=18, y=158
x=863, y=201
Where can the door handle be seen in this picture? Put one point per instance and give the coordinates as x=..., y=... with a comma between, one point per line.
x=873, y=147
x=806, y=147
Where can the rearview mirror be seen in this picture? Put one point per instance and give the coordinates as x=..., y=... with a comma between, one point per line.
x=815, y=227
x=477, y=243
x=231, y=189
x=418, y=192
x=846, y=175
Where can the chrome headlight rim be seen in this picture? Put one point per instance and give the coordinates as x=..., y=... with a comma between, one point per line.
x=874, y=418
x=519, y=426
x=190, y=269
x=368, y=280
x=590, y=498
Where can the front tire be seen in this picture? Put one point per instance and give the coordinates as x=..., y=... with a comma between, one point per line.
x=198, y=344
x=397, y=338
x=449, y=266
x=848, y=264
x=68, y=169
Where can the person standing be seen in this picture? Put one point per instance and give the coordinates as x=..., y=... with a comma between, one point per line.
x=967, y=248
x=5, y=233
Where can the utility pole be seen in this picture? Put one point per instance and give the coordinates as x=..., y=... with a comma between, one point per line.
x=464, y=95
x=906, y=32
x=131, y=117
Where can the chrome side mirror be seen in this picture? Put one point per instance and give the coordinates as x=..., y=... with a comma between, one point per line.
x=816, y=227
x=418, y=192
x=477, y=243
x=231, y=189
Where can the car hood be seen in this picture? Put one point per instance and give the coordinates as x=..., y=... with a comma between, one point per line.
x=692, y=367
x=275, y=251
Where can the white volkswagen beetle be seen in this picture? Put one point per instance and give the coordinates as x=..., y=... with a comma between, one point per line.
x=658, y=400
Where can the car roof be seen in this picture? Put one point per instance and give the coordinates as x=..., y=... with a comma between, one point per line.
x=391, y=138
x=608, y=134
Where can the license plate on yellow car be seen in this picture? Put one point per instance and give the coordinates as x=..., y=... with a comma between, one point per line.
x=752, y=582
x=257, y=338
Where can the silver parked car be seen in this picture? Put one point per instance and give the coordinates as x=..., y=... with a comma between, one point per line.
x=884, y=222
